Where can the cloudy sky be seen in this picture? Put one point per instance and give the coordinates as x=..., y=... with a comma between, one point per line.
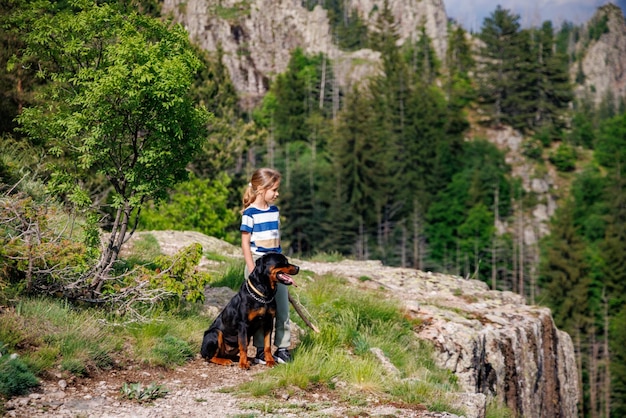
x=470, y=13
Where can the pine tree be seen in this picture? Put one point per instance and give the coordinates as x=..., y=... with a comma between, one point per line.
x=499, y=64
x=554, y=92
x=356, y=152
x=564, y=274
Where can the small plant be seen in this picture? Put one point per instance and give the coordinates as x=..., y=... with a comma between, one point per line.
x=15, y=377
x=143, y=394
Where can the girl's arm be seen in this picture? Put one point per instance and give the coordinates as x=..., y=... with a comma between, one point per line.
x=247, y=252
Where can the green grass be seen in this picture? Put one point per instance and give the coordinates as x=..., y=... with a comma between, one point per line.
x=351, y=322
x=232, y=276
x=53, y=335
x=144, y=250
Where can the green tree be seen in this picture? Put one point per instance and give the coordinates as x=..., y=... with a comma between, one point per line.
x=564, y=274
x=194, y=205
x=459, y=65
x=500, y=58
x=360, y=170
x=554, y=92
x=117, y=104
x=476, y=234
x=610, y=147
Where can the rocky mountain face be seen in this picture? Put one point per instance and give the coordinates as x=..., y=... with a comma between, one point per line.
x=257, y=36
x=496, y=344
x=603, y=60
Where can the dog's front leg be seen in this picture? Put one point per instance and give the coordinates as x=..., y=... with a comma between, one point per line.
x=268, y=326
x=243, y=347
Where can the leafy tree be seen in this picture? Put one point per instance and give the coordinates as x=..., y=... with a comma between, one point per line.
x=476, y=233
x=194, y=205
x=117, y=104
x=614, y=245
x=483, y=171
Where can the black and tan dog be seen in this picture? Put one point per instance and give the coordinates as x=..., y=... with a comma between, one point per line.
x=253, y=307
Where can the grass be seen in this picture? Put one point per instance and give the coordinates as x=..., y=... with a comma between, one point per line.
x=51, y=334
x=351, y=323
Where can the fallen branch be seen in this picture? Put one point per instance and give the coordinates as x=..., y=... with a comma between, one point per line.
x=298, y=309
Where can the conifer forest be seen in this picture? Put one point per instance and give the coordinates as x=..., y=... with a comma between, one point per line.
x=125, y=137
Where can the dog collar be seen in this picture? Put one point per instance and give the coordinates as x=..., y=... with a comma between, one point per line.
x=263, y=299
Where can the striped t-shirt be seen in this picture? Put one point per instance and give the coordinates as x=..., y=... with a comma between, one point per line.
x=263, y=225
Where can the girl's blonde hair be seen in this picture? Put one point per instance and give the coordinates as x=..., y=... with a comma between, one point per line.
x=262, y=179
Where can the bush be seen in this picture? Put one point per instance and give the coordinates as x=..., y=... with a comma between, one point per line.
x=15, y=377
x=532, y=149
x=564, y=158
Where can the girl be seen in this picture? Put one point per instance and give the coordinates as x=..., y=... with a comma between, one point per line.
x=260, y=234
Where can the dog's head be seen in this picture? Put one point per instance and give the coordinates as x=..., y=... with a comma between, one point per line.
x=276, y=267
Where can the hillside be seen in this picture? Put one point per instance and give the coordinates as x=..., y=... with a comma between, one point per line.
x=493, y=342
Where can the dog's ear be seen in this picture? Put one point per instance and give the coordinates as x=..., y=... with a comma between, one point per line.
x=258, y=267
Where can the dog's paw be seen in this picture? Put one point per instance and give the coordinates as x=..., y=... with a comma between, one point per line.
x=244, y=364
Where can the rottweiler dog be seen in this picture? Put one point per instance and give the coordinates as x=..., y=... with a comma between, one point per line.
x=253, y=307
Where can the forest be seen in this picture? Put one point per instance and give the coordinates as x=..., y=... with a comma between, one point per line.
x=125, y=137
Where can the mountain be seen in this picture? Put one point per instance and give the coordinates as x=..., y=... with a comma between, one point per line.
x=258, y=36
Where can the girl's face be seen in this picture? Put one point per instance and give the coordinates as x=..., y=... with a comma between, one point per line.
x=271, y=194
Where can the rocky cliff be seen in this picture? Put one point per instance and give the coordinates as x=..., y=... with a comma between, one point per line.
x=495, y=344
x=602, y=65
x=257, y=36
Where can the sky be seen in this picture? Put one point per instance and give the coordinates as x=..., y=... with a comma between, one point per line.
x=471, y=13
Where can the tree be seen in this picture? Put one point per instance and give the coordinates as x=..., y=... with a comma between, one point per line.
x=356, y=153
x=500, y=57
x=116, y=105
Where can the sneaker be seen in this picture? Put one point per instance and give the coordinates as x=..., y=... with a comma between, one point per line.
x=282, y=356
x=260, y=356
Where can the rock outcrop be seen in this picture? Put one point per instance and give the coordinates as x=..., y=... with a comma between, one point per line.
x=258, y=36
x=603, y=63
x=494, y=343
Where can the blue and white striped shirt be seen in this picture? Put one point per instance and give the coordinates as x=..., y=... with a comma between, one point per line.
x=263, y=225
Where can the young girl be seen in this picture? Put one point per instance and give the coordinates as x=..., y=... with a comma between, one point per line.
x=260, y=234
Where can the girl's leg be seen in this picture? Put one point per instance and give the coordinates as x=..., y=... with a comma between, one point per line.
x=282, y=337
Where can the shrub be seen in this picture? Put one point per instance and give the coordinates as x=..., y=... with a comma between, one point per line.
x=15, y=377
x=532, y=149
x=564, y=158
